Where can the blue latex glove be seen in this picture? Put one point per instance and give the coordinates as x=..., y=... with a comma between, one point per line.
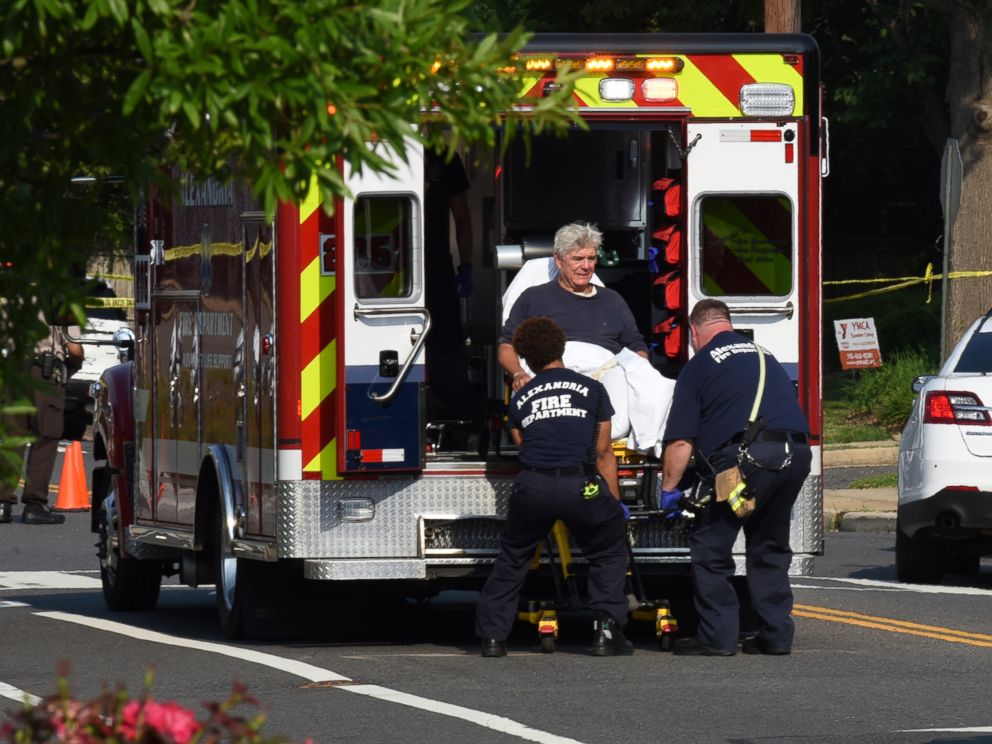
x=626, y=510
x=670, y=502
x=463, y=281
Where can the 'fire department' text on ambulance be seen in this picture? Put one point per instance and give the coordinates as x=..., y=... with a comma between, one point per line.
x=273, y=420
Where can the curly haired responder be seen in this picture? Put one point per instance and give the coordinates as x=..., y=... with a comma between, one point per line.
x=561, y=421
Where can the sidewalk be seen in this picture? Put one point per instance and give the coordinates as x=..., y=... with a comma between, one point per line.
x=860, y=509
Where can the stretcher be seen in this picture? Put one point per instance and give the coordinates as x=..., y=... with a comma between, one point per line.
x=568, y=599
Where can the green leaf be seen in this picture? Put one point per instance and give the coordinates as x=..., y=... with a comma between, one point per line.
x=142, y=40
x=134, y=94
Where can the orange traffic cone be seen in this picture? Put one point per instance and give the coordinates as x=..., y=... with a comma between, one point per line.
x=73, y=495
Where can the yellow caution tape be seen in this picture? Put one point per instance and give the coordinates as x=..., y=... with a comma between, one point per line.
x=109, y=302
x=928, y=278
x=114, y=277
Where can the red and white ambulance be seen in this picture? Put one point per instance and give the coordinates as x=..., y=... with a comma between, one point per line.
x=273, y=419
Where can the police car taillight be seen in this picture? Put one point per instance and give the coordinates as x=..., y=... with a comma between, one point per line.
x=948, y=407
x=767, y=99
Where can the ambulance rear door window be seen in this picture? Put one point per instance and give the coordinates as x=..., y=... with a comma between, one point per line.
x=746, y=245
x=383, y=243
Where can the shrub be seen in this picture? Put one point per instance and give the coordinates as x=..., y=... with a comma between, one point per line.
x=115, y=716
x=886, y=393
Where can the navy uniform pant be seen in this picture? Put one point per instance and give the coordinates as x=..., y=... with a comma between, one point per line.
x=596, y=524
x=768, y=555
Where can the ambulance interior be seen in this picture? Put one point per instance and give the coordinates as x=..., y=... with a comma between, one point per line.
x=624, y=177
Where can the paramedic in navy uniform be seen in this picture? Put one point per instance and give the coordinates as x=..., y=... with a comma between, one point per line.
x=585, y=312
x=561, y=422
x=713, y=399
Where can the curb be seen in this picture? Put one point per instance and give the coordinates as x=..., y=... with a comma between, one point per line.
x=854, y=456
x=877, y=522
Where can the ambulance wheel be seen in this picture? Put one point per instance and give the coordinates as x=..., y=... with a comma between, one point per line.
x=548, y=643
x=235, y=593
x=129, y=585
x=665, y=642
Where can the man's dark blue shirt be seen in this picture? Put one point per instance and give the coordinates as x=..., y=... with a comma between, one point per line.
x=716, y=389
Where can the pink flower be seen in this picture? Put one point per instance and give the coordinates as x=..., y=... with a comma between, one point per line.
x=129, y=720
x=171, y=719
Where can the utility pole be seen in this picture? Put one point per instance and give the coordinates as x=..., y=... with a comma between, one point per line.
x=783, y=17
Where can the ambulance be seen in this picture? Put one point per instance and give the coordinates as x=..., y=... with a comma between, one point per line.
x=275, y=421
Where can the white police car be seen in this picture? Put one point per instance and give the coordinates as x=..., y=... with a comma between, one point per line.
x=945, y=465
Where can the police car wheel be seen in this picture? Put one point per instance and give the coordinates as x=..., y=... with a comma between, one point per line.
x=919, y=559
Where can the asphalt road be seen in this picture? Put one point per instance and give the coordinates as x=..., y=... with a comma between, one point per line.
x=844, y=477
x=874, y=661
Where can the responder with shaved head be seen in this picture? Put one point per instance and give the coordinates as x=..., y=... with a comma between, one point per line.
x=729, y=382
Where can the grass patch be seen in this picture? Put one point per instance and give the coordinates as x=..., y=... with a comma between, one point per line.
x=886, y=480
x=842, y=422
x=886, y=393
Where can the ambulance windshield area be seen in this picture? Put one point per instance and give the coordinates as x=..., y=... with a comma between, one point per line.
x=746, y=245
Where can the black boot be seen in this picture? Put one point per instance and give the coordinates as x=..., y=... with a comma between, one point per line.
x=6, y=511
x=37, y=513
x=491, y=648
x=608, y=639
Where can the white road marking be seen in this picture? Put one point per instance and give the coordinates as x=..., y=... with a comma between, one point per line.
x=9, y=691
x=318, y=674
x=45, y=580
x=300, y=669
x=964, y=730
x=843, y=588
x=11, y=603
x=917, y=588
x=487, y=720
x=426, y=655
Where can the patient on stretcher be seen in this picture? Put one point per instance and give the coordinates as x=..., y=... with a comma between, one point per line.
x=603, y=341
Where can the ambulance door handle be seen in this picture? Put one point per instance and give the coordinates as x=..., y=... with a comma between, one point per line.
x=788, y=310
x=378, y=312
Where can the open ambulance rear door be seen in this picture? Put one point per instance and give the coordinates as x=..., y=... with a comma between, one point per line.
x=385, y=324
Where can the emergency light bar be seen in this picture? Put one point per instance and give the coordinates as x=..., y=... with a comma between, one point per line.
x=600, y=64
x=540, y=64
x=603, y=63
x=767, y=99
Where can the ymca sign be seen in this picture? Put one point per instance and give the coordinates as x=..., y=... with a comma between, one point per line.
x=857, y=341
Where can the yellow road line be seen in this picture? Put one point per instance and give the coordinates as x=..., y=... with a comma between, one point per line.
x=893, y=626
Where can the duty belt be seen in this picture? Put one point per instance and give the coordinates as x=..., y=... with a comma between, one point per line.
x=562, y=471
x=771, y=435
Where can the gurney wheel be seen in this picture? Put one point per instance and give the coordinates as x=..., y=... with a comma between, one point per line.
x=665, y=642
x=548, y=643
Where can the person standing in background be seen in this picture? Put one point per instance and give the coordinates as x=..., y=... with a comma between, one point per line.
x=54, y=360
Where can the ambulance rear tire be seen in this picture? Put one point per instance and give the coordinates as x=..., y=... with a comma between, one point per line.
x=129, y=585
x=235, y=591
